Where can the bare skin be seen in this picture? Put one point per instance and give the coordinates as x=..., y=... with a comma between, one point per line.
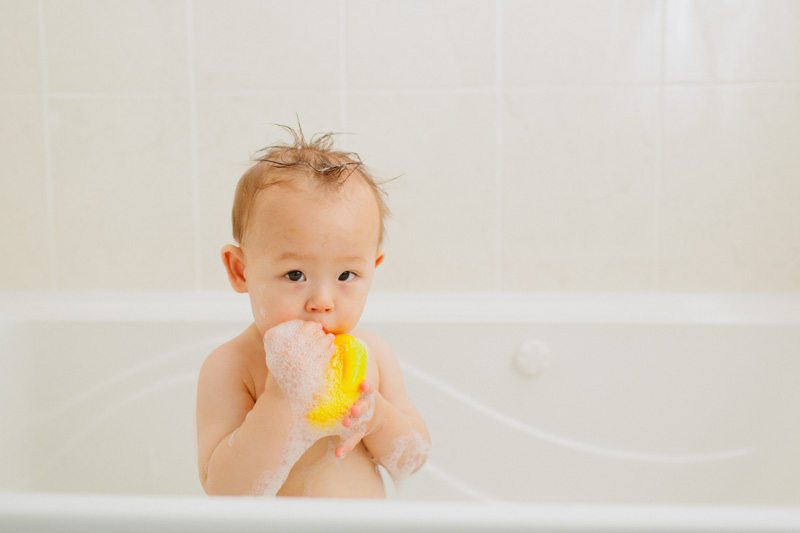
x=310, y=256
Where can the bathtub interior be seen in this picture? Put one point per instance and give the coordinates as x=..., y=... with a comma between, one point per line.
x=663, y=413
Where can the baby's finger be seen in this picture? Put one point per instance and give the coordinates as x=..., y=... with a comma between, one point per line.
x=360, y=407
x=324, y=340
x=347, y=445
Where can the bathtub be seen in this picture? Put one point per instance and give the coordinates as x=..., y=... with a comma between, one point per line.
x=547, y=412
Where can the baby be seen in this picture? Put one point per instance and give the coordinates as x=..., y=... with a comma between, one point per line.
x=309, y=224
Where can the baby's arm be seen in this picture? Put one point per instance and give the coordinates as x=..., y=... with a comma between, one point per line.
x=242, y=442
x=235, y=449
x=396, y=436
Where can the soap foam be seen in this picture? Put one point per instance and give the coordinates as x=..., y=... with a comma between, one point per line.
x=298, y=361
x=408, y=453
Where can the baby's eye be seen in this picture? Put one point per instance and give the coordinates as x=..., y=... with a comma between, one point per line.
x=347, y=275
x=295, y=275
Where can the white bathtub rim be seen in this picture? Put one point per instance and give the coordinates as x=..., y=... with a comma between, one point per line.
x=601, y=308
x=208, y=514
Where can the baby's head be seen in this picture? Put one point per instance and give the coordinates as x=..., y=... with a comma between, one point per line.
x=309, y=224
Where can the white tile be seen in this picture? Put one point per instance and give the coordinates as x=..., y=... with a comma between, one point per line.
x=231, y=129
x=122, y=193
x=23, y=197
x=441, y=148
x=730, y=193
x=20, y=51
x=732, y=40
x=250, y=45
x=116, y=45
x=580, y=41
x=421, y=44
x=578, y=190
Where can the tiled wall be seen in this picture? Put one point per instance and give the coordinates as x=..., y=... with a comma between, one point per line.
x=553, y=145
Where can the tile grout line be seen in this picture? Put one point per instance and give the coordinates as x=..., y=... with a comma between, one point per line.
x=577, y=87
x=48, y=154
x=658, y=163
x=499, y=103
x=195, y=165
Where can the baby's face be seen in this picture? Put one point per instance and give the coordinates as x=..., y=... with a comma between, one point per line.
x=311, y=254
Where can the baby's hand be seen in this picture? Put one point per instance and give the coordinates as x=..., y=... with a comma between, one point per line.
x=298, y=354
x=360, y=421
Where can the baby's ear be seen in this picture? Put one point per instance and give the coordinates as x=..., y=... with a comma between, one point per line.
x=233, y=259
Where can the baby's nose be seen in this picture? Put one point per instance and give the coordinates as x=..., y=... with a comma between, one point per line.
x=320, y=301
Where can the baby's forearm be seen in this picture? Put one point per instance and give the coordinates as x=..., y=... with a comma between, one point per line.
x=401, y=443
x=257, y=457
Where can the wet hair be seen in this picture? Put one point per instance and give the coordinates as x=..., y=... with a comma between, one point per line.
x=316, y=159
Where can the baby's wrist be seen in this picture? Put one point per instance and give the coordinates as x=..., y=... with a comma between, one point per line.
x=273, y=393
x=380, y=414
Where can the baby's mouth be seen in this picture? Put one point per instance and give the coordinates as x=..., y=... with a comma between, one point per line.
x=335, y=331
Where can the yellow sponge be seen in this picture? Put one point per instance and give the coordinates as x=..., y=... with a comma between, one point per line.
x=345, y=375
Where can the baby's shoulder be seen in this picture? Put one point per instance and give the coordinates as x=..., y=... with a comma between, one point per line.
x=390, y=375
x=376, y=344
x=235, y=359
x=381, y=353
